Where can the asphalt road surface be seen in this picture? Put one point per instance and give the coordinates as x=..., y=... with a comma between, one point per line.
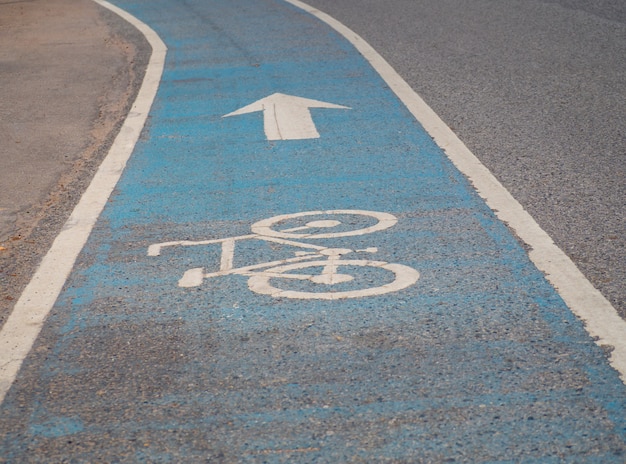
x=537, y=91
x=258, y=289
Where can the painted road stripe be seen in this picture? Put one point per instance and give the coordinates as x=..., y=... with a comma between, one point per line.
x=254, y=288
x=600, y=317
x=30, y=311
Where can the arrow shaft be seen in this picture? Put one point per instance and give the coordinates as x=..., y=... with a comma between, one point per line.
x=282, y=122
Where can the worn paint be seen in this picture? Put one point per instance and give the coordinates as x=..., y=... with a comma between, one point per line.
x=478, y=360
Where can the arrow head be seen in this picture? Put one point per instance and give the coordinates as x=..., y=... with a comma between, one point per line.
x=281, y=100
x=286, y=117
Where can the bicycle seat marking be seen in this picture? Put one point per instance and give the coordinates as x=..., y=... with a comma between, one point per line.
x=327, y=275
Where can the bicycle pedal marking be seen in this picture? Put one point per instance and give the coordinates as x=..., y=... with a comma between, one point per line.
x=326, y=265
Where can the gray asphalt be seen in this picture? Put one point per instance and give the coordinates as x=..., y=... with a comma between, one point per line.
x=537, y=90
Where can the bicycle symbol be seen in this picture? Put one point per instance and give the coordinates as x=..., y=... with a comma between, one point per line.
x=276, y=277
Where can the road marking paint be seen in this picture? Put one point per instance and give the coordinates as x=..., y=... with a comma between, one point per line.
x=286, y=117
x=264, y=227
x=25, y=322
x=228, y=254
x=330, y=275
x=481, y=326
x=600, y=318
x=404, y=276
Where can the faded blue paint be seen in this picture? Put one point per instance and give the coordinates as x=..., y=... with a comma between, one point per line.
x=56, y=427
x=480, y=360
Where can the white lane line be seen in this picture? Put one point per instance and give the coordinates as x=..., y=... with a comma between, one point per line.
x=584, y=300
x=25, y=322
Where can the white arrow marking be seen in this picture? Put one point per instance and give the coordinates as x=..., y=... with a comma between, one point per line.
x=287, y=117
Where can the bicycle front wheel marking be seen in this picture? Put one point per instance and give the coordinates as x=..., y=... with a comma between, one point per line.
x=264, y=227
x=404, y=276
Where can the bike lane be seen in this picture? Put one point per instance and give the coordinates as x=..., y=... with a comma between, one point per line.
x=370, y=308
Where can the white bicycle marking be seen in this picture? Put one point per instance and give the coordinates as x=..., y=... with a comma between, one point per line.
x=404, y=276
x=264, y=227
x=262, y=276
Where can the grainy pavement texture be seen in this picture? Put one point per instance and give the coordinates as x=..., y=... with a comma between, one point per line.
x=536, y=90
x=450, y=346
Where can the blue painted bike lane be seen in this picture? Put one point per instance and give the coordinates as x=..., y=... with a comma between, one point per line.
x=266, y=286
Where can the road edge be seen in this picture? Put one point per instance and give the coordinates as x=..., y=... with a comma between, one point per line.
x=600, y=318
x=23, y=325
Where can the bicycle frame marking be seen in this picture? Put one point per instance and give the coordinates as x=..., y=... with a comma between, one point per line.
x=329, y=259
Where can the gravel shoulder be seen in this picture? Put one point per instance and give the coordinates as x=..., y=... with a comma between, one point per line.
x=70, y=70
